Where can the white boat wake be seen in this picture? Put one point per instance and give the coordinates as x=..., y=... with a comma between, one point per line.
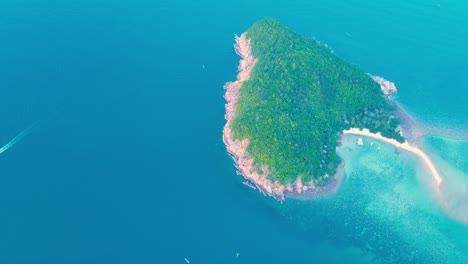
x=17, y=138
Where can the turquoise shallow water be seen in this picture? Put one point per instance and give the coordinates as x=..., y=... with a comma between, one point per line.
x=127, y=164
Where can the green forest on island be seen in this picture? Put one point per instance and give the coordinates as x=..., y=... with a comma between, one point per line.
x=298, y=100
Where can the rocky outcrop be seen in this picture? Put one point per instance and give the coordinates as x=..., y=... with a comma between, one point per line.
x=387, y=87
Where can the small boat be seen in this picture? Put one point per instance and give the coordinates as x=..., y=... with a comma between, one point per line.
x=203, y=66
x=237, y=255
x=360, y=142
x=186, y=260
x=249, y=184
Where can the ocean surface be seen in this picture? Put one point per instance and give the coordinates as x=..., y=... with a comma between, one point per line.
x=126, y=164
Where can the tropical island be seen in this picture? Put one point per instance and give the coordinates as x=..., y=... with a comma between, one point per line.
x=291, y=102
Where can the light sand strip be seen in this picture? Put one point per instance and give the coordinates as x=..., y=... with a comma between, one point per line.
x=406, y=146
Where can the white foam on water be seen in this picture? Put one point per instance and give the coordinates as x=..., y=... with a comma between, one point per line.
x=17, y=138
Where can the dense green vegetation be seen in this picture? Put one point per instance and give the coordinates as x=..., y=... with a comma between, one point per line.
x=299, y=98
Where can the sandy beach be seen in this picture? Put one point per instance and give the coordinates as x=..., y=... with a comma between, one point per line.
x=406, y=146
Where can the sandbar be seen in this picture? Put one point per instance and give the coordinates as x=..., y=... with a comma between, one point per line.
x=406, y=146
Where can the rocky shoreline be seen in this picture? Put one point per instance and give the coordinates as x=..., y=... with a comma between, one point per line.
x=238, y=148
x=388, y=88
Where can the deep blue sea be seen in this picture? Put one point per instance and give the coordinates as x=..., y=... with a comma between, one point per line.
x=126, y=162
